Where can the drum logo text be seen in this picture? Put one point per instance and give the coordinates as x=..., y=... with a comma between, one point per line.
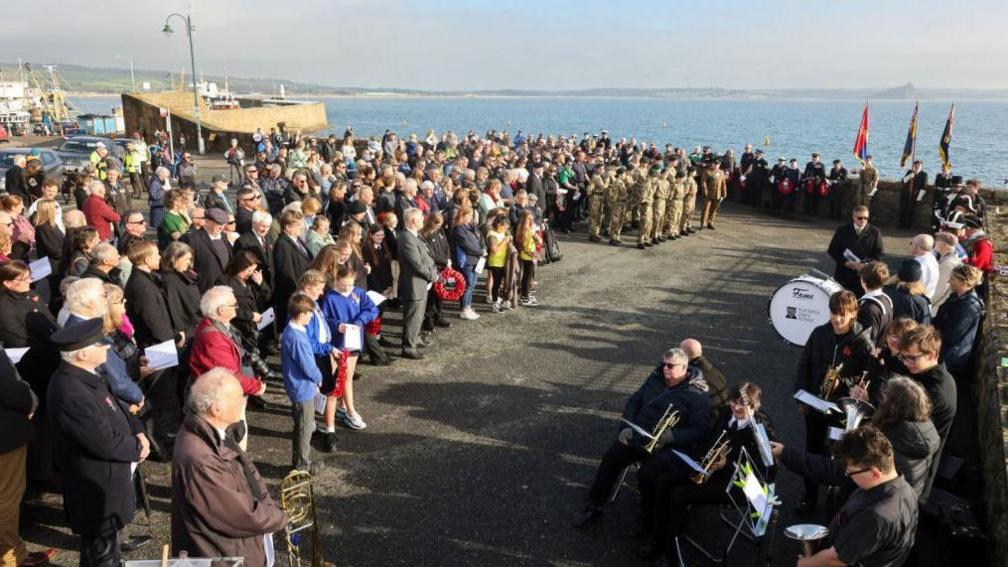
x=801, y=293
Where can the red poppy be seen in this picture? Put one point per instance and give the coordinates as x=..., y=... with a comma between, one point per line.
x=847, y=351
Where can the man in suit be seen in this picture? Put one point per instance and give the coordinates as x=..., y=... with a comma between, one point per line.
x=248, y=200
x=913, y=190
x=211, y=251
x=96, y=441
x=534, y=185
x=290, y=259
x=260, y=243
x=416, y=271
x=863, y=241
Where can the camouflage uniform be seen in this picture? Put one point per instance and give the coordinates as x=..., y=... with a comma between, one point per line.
x=596, y=197
x=674, y=208
x=646, y=199
x=689, y=203
x=869, y=181
x=714, y=189
x=658, y=207
x=616, y=201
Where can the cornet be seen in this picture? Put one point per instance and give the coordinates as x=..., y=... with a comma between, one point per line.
x=716, y=453
x=830, y=382
x=669, y=419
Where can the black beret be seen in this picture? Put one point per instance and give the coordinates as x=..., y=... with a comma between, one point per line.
x=76, y=336
x=356, y=208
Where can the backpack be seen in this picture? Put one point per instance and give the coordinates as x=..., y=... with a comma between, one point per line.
x=551, y=247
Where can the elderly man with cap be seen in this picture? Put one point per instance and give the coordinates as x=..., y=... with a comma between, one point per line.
x=221, y=506
x=211, y=251
x=97, y=442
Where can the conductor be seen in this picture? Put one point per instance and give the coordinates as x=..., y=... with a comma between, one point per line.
x=854, y=245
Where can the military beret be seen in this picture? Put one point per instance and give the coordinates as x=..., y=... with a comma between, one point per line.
x=81, y=334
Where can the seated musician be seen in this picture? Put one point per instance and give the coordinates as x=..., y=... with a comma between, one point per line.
x=903, y=416
x=877, y=525
x=680, y=488
x=670, y=388
x=843, y=345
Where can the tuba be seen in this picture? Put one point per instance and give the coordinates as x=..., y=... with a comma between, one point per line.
x=669, y=419
x=298, y=501
x=855, y=411
x=717, y=452
x=830, y=382
x=809, y=535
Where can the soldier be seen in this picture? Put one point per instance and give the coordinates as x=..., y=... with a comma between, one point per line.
x=714, y=190
x=616, y=202
x=816, y=172
x=869, y=182
x=596, y=191
x=837, y=183
x=639, y=175
x=673, y=210
x=661, y=194
x=647, y=193
x=689, y=202
x=778, y=174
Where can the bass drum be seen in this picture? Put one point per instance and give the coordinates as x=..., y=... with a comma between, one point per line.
x=799, y=306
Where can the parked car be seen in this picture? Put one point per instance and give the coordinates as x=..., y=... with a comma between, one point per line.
x=76, y=151
x=51, y=161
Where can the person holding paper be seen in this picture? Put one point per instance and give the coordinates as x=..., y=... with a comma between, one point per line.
x=877, y=524
x=302, y=379
x=853, y=245
x=676, y=492
x=290, y=259
x=672, y=386
x=469, y=250
x=416, y=273
x=252, y=292
x=841, y=341
x=347, y=309
x=328, y=358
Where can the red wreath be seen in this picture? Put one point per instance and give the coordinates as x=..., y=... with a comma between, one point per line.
x=785, y=187
x=450, y=285
x=824, y=189
x=340, y=371
x=810, y=185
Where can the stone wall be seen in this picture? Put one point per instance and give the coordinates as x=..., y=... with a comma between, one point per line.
x=142, y=113
x=990, y=397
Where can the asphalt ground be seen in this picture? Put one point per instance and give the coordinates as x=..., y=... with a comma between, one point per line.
x=481, y=452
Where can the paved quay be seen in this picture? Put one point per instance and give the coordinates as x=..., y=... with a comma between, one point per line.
x=479, y=453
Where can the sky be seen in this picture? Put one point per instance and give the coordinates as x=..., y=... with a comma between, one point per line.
x=537, y=45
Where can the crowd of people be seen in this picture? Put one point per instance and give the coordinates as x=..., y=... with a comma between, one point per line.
x=301, y=251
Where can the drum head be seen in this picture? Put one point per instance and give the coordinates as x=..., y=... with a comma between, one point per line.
x=799, y=306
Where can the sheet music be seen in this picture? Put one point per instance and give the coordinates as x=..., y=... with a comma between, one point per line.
x=16, y=354
x=637, y=428
x=376, y=297
x=352, y=338
x=40, y=268
x=850, y=256
x=689, y=461
x=162, y=355
x=266, y=319
x=816, y=402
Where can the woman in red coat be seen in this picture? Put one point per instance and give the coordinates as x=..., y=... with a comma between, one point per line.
x=98, y=212
x=216, y=344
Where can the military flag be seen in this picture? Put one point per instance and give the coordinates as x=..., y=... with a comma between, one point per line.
x=946, y=138
x=910, y=146
x=861, y=141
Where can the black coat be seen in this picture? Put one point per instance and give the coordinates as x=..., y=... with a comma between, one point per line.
x=182, y=297
x=208, y=264
x=958, y=320
x=27, y=322
x=289, y=263
x=437, y=243
x=249, y=298
x=16, y=183
x=250, y=241
x=648, y=404
x=95, y=442
x=16, y=401
x=534, y=186
x=825, y=349
x=215, y=200
x=867, y=247
x=147, y=308
x=916, y=307
x=737, y=439
x=243, y=220
x=49, y=243
x=380, y=260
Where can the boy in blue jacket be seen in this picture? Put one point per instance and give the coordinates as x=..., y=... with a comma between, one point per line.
x=347, y=309
x=302, y=377
x=313, y=284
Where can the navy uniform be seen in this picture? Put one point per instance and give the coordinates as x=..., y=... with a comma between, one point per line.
x=815, y=171
x=96, y=442
x=837, y=180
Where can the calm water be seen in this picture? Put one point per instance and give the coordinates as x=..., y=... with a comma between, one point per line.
x=795, y=128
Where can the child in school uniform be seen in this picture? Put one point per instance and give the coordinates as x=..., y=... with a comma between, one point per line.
x=302, y=377
x=347, y=309
x=328, y=358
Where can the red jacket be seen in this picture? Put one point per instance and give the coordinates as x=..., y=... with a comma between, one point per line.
x=982, y=255
x=100, y=215
x=213, y=349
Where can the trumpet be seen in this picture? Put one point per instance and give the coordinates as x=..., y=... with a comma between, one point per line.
x=669, y=419
x=298, y=501
x=718, y=452
x=830, y=382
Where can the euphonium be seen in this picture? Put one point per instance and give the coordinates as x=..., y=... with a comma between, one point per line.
x=669, y=419
x=298, y=501
x=830, y=382
x=716, y=453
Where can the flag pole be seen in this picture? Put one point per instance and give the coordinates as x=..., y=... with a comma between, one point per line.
x=913, y=151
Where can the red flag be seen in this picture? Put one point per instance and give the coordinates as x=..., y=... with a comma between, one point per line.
x=861, y=142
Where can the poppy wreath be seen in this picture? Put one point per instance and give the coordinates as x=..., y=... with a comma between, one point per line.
x=824, y=189
x=785, y=187
x=450, y=285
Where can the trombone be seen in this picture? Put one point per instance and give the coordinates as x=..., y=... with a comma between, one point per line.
x=717, y=453
x=669, y=419
x=298, y=501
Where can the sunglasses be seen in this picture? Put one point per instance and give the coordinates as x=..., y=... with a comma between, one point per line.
x=672, y=365
x=861, y=218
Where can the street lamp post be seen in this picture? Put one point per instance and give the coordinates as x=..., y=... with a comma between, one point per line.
x=132, y=77
x=192, y=59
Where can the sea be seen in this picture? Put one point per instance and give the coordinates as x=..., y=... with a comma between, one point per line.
x=787, y=128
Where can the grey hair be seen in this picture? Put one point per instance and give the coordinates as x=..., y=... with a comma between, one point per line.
x=94, y=185
x=104, y=252
x=208, y=389
x=74, y=219
x=676, y=355
x=86, y=294
x=427, y=185
x=215, y=298
x=261, y=217
x=70, y=355
x=411, y=213
x=162, y=171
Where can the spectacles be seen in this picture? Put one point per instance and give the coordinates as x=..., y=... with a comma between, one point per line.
x=198, y=218
x=852, y=474
x=672, y=365
x=231, y=305
x=910, y=357
x=141, y=221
